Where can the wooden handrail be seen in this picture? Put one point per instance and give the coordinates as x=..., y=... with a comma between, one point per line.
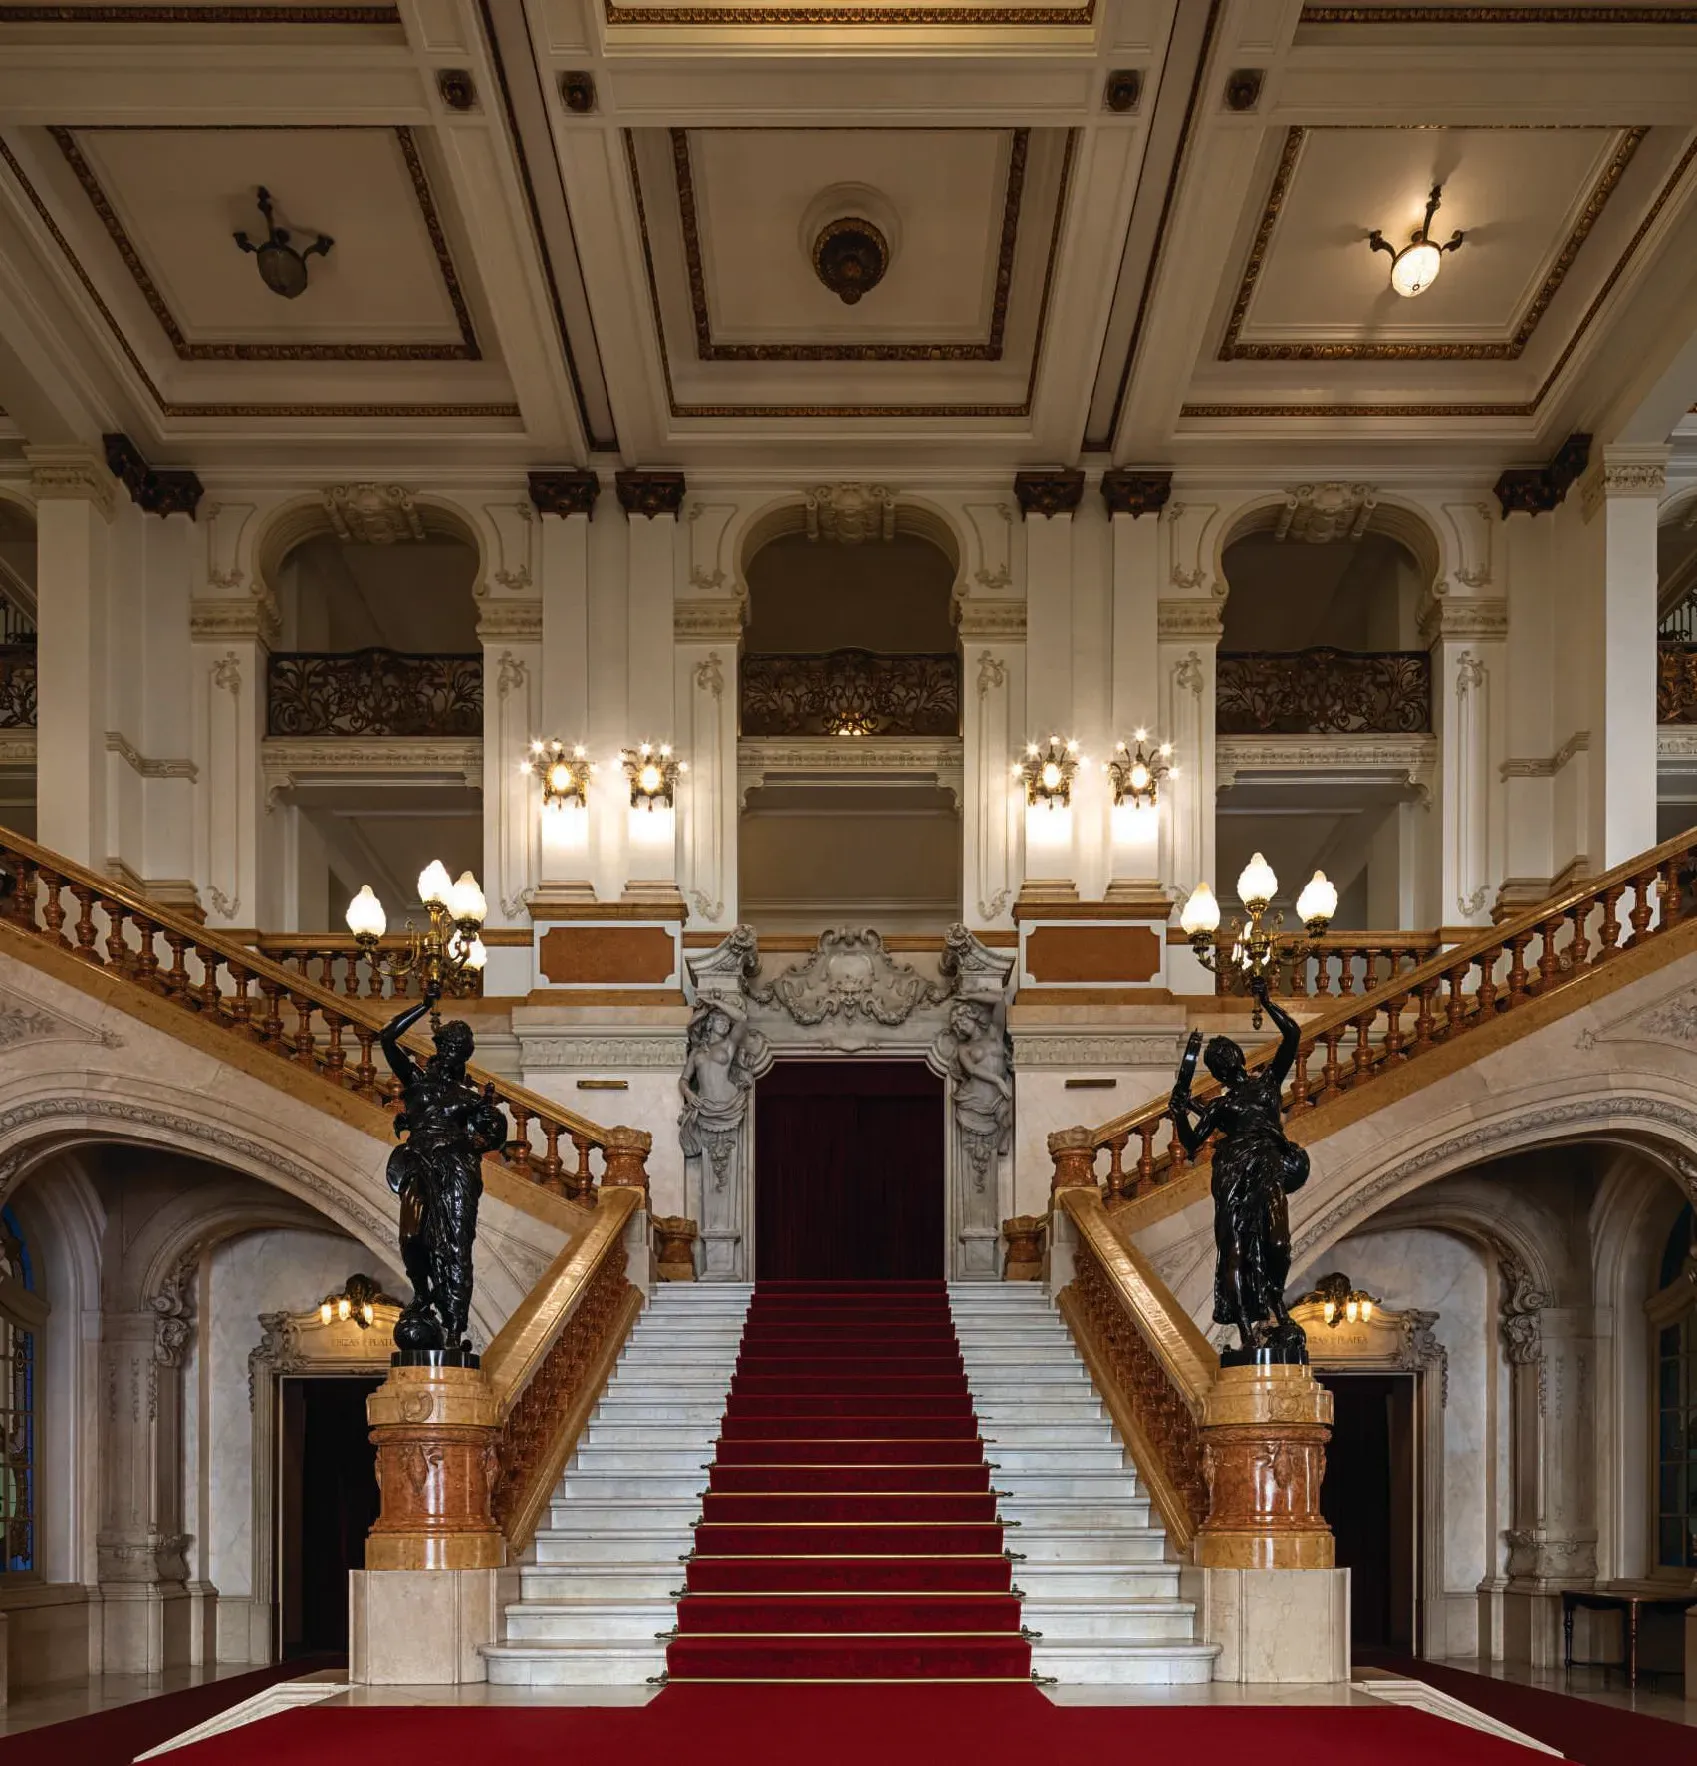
x=1152, y=1366
x=215, y=975
x=1456, y=990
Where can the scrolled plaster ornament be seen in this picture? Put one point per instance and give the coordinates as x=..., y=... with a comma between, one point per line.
x=1322, y=513
x=849, y=975
x=373, y=514
x=850, y=514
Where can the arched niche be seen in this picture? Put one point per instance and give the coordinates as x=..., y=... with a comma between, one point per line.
x=346, y=589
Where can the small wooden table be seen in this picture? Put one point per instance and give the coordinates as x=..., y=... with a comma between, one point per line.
x=1629, y=1599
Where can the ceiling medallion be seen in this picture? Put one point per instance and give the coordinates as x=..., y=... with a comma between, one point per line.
x=281, y=267
x=850, y=257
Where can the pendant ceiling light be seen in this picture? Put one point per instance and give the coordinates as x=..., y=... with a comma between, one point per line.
x=1415, y=268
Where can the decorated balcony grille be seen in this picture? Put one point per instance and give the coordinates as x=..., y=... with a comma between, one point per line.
x=1676, y=682
x=1323, y=692
x=373, y=692
x=17, y=686
x=851, y=693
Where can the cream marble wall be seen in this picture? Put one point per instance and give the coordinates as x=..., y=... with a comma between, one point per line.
x=1418, y=1268
x=260, y=1272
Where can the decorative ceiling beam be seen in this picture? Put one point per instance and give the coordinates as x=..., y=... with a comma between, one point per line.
x=154, y=490
x=1536, y=490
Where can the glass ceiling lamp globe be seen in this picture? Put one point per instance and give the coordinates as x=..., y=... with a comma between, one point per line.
x=1257, y=884
x=1415, y=268
x=466, y=901
x=434, y=883
x=366, y=918
x=1318, y=902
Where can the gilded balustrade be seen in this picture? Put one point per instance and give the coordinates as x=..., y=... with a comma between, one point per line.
x=338, y=964
x=850, y=693
x=1454, y=993
x=1338, y=963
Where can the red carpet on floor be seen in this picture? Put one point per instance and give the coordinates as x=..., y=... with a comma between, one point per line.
x=898, y=1725
x=849, y=1529
x=1595, y=1735
x=114, y=1737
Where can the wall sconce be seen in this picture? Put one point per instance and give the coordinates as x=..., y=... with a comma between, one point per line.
x=281, y=267
x=565, y=777
x=1253, y=942
x=1415, y=268
x=449, y=953
x=1136, y=774
x=1339, y=1302
x=356, y=1301
x=653, y=774
x=1048, y=774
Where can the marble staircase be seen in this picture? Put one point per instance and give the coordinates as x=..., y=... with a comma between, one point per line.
x=1098, y=1585
x=598, y=1589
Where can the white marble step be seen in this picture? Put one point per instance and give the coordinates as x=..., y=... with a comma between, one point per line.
x=1036, y=1513
x=638, y=1436
x=637, y=1511
x=1115, y=1621
x=994, y=1412
x=1094, y=1662
x=610, y=1461
x=574, y=1664
x=1012, y=1377
x=602, y=1582
x=646, y=1485
x=1091, y=1487
x=1057, y=1460
x=590, y=1621
x=615, y=1408
x=1052, y=1583
x=1035, y=1434
x=1093, y=1545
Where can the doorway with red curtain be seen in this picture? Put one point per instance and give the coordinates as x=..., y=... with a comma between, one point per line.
x=848, y=1172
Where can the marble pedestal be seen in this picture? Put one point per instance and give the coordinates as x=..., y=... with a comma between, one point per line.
x=1275, y=1625
x=421, y=1627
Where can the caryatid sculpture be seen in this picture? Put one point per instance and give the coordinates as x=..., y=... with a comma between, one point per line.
x=1255, y=1168
x=437, y=1171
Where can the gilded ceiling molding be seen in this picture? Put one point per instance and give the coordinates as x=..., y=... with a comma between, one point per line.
x=200, y=15
x=838, y=412
x=744, y=16
x=402, y=412
x=1346, y=350
x=1603, y=13
x=990, y=350
x=466, y=350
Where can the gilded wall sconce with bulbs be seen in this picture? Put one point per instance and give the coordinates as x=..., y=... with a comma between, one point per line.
x=1048, y=773
x=564, y=772
x=653, y=771
x=1340, y=1302
x=1136, y=772
x=449, y=953
x=1251, y=944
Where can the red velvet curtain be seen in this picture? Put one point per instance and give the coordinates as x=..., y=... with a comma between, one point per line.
x=848, y=1163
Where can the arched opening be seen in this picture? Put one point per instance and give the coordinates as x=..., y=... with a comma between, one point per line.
x=1320, y=643
x=1676, y=661
x=378, y=646
x=17, y=667
x=849, y=649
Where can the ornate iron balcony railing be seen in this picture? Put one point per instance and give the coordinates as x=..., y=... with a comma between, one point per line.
x=1676, y=682
x=851, y=693
x=17, y=686
x=373, y=693
x=1323, y=692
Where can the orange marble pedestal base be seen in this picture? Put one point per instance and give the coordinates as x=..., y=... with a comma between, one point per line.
x=1264, y=1435
x=434, y=1430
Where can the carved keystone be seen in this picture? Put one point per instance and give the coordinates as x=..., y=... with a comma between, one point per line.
x=1074, y=1154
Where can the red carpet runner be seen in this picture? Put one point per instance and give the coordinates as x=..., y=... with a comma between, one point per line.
x=849, y=1531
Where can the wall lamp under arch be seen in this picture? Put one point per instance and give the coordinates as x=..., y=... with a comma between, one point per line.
x=1415, y=268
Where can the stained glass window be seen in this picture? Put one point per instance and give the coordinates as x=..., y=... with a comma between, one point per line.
x=18, y=1339
x=1676, y=1412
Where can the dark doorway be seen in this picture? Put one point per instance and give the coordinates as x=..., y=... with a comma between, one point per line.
x=327, y=1503
x=1369, y=1497
x=848, y=1160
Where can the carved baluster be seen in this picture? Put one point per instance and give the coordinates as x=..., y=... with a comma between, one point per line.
x=118, y=952
x=1329, y=1072
x=1394, y=1039
x=271, y=1027
x=23, y=893
x=176, y=979
x=1361, y=1057
x=306, y=1051
x=1455, y=1007
x=53, y=910
x=240, y=1003
x=1298, y=970
x=1177, y=1160
x=1323, y=968
x=1643, y=906
x=85, y=923
x=206, y=996
x=1115, y=1181
x=553, y=1166
x=1486, y=997
x=1579, y=947
x=1608, y=934
x=1299, y=1078
x=147, y=959
x=1370, y=978
x=1672, y=891
x=365, y=1073
x=1424, y=1022
x=582, y=1186
x=1346, y=972
x=1517, y=967
x=1549, y=956
x=350, y=974
x=335, y=1056
x=327, y=971
x=518, y=1148
x=1145, y=1155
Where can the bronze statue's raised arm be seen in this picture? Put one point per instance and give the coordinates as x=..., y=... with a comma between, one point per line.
x=400, y=1060
x=1290, y=1039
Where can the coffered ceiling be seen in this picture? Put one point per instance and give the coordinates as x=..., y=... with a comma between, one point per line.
x=1124, y=229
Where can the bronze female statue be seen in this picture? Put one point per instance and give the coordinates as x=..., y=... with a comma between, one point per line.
x=437, y=1172
x=1255, y=1168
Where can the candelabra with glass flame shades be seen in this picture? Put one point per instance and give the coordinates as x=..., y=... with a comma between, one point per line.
x=448, y=954
x=1251, y=945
